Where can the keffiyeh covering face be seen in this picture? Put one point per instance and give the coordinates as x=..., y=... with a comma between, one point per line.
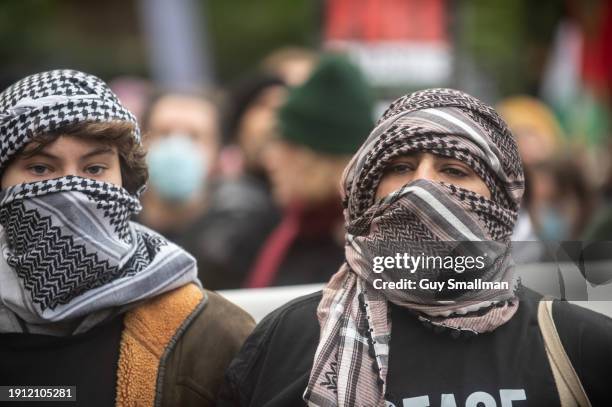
x=70, y=257
x=69, y=251
x=351, y=361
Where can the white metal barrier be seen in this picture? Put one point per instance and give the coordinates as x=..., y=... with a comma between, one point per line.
x=259, y=302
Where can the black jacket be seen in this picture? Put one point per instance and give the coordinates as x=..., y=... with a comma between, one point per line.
x=273, y=366
x=171, y=350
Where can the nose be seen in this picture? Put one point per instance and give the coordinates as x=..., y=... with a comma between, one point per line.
x=70, y=170
x=425, y=170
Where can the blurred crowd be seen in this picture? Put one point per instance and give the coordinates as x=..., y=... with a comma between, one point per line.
x=135, y=186
x=245, y=166
x=247, y=178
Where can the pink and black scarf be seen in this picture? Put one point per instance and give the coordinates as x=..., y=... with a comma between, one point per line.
x=351, y=360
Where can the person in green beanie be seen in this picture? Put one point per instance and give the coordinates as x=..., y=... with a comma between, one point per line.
x=332, y=112
x=321, y=124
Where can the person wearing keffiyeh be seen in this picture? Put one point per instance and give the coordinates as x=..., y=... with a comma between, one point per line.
x=440, y=174
x=88, y=298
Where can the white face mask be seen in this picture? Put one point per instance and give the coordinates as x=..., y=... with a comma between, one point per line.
x=177, y=167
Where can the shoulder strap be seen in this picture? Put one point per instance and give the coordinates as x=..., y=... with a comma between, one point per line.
x=571, y=392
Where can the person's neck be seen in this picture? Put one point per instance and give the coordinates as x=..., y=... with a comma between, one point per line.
x=171, y=216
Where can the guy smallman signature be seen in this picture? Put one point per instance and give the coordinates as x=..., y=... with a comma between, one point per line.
x=408, y=263
x=430, y=285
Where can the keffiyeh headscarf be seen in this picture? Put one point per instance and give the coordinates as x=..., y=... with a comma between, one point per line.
x=70, y=257
x=47, y=101
x=351, y=361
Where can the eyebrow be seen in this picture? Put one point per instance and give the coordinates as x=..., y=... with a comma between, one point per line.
x=98, y=151
x=26, y=155
x=414, y=154
x=42, y=153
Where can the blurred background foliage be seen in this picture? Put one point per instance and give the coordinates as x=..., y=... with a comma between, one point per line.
x=509, y=39
x=101, y=37
x=499, y=47
x=106, y=38
x=243, y=32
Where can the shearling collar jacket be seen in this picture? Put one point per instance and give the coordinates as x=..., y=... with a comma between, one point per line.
x=175, y=348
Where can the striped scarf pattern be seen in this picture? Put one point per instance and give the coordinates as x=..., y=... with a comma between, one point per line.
x=351, y=361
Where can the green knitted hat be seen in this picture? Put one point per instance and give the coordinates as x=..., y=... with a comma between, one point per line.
x=331, y=112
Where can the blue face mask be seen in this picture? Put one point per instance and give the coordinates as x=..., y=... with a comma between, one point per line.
x=177, y=168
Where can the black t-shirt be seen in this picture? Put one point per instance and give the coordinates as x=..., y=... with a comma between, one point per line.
x=506, y=367
x=428, y=368
x=87, y=361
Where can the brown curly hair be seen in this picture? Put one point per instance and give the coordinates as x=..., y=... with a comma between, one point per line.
x=119, y=134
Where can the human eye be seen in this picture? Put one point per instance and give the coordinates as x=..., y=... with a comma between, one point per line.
x=399, y=168
x=456, y=171
x=39, y=169
x=96, y=169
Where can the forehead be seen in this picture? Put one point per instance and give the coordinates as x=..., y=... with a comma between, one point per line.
x=182, y=110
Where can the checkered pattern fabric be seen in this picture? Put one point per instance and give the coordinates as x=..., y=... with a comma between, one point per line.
x=351, y=361
x=71, y=250
x=47, y=101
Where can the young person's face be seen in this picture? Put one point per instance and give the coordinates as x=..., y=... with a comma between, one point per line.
x=186, y=115
x=427, y=166
x=65, y=156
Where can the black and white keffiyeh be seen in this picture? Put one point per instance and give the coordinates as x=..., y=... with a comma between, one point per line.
x=48, y=101
x=70, y=255
x=351, y=361
x=69, y=251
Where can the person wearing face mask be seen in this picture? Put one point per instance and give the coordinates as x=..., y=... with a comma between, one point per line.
x=186, y=201
x=182, y=141
x=89, y=299
x=440, y=175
